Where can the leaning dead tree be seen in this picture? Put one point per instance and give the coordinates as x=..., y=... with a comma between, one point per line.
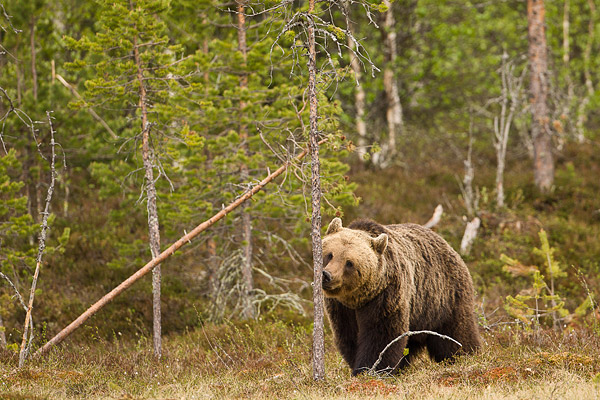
x=27, y=326
x=62, y=335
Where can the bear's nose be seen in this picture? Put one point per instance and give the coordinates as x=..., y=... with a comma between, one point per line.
x=326, y=277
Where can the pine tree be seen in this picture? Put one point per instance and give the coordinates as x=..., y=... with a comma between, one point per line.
x=137, y=72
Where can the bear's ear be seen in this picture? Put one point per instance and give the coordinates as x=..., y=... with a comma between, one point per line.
x=380, y=243
x=334, y=226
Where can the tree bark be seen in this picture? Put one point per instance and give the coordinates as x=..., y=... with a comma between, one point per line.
x=394, y=107
x=582, y=108
x=543, y=163
x=248, y=309
x=163, y=256
x=33, y=66
x=317, y=246
x=435, y=218
x=469, y=236
x=2, y=333
x=511, y=94
x=153, y=225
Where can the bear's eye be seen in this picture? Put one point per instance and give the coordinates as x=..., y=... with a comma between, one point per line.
x=349, y=264
x=327, y=258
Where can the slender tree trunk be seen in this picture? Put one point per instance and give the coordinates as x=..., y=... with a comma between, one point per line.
x=543, y=163
x=470, y=197
x=28, y=324
x=567, y=55
x=153, y=226
x=205, y=51
x=359, y=94
x=248, y=311
x=34, y=87
x=33, y=66
x=582, y=108
x=500, y=180
x=212, y=266
x=511, y=93
x=317, y=246
x=2, y=333
x=394, y=107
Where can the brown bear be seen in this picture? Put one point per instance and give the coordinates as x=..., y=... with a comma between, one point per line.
x=382, y=281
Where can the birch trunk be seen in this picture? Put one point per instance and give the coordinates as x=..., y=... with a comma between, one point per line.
x=248, y=309
x=543, y=163
x=153, y=226
x=469, y=236
x=317, y=246
x=2, y=333
x=511, y=94
x=582, y=108
x=359, y=94
x=567, y=58
x=394, y=107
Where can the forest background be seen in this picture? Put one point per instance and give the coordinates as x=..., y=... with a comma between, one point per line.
x=423, y=103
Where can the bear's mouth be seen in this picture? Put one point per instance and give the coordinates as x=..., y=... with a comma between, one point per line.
x=331, y=290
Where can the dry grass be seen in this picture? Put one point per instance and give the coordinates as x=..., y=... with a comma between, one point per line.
x=271, y=361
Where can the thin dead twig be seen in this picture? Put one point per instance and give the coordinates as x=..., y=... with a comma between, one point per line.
x=25, y=345
x=408, y=334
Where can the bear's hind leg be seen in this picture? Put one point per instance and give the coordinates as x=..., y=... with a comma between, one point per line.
x=441, y=349
x=462, y=329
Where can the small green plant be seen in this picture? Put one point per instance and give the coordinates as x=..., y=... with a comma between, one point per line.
x=540, y=302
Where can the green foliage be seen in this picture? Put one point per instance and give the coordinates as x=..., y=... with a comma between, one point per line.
x=541, y=301
x=446, y=69
x=17, y=230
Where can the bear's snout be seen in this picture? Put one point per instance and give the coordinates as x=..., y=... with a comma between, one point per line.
x=327, y=283
x=326, y=277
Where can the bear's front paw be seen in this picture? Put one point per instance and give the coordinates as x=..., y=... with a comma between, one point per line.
x=359, y=370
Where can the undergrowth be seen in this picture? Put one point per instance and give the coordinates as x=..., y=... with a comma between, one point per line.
x=271, y=360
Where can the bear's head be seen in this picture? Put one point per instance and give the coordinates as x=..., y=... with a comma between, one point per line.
x=354, y=269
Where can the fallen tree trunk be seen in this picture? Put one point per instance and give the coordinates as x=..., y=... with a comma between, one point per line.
x=164, y=255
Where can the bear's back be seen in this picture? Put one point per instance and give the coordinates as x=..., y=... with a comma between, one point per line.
x=415, y=254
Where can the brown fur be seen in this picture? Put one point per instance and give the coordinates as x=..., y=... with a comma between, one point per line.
x=401, y=278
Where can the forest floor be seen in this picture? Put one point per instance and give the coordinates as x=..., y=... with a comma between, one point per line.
x=271, y=360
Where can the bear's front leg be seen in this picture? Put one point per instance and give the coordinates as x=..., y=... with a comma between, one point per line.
x=344, y=327
x=376, y=331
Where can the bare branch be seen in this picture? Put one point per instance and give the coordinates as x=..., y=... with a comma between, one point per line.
x=372, y=370
x=435, y=218
x=90, y=109
x=7, y=18
x=42, y=246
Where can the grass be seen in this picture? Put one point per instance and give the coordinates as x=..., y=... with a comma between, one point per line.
x=271, y=360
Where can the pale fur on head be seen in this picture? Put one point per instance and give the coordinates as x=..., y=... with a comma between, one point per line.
x=364, y=278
